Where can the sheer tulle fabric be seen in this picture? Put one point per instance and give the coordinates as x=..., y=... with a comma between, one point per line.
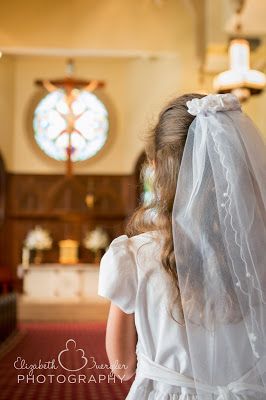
x=220, y=247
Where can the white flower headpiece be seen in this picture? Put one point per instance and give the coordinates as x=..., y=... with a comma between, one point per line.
x=213, y=103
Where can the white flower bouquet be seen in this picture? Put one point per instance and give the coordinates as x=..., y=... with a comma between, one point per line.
x=96, y=240
x=38, y=239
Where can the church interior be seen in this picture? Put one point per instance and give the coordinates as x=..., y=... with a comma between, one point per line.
x=81, y=82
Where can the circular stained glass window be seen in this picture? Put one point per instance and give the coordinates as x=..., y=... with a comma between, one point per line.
x=79, y=126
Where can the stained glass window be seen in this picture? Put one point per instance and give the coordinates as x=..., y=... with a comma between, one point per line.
x=83, y=124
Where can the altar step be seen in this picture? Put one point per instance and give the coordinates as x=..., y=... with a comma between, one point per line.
x=62, y=310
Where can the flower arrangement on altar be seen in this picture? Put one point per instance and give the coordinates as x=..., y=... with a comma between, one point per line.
x=96, y=241
x=38, y=239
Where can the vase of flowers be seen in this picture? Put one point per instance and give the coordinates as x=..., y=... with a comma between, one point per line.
x=96, y=241
x=38, y=239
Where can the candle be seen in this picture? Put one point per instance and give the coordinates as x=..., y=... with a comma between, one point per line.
x=25, y=257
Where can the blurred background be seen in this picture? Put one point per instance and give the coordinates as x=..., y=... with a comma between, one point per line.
x=81, y=82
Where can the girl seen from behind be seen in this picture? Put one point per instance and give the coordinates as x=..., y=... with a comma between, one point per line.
x=187, y=283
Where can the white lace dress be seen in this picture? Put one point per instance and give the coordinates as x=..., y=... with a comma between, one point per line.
x=132, y=277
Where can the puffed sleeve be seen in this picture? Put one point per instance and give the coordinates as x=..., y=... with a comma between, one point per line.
x=118, y=275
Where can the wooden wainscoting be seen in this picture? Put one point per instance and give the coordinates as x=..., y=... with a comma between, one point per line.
x=58, y=204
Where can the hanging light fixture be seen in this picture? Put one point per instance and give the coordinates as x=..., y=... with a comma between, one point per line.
x=240, y=79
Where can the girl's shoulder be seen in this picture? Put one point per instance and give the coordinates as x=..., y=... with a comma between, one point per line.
x=120, y=272
x=140, y=252
x=134, y=243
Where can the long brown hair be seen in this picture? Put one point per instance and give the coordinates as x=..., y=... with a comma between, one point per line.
x=164, y=147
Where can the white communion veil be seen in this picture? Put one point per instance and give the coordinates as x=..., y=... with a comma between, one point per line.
x=220, y=249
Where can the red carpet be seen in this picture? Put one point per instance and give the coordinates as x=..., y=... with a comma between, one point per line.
x=75, y=378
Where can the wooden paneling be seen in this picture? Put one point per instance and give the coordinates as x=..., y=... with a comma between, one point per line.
x=58, y=204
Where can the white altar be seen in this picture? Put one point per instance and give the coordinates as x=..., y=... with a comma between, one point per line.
x=60, y=282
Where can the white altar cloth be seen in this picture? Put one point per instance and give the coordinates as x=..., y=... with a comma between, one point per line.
x=56, y=281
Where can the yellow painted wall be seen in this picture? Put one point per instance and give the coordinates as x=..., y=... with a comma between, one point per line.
x=135, y=89
x=134, y=93
x=255, y=107
x=7, y=109
x=96, y=24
